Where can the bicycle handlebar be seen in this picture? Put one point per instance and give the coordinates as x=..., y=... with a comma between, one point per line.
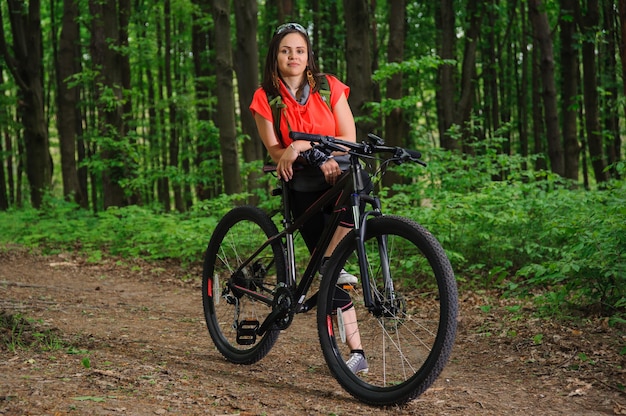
x=330, y=143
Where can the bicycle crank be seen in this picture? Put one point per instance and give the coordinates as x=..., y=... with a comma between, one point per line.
x=282, y=311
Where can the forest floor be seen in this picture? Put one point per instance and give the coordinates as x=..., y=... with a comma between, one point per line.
x=129, y=338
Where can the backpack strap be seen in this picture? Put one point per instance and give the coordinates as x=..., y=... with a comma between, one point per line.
x=277, y=106
x=325, y=92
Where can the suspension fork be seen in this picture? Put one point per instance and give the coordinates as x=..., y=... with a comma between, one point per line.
x=360, y=228
x=383, y=252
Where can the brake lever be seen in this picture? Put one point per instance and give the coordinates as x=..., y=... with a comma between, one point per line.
x=375, y=140
x=403, y=155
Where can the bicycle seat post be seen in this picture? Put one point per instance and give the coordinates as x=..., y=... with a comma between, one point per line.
x=287, y=221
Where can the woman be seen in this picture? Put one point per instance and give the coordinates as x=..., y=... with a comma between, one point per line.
x=291, y=74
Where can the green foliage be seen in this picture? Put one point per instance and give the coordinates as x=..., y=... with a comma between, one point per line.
x=412, y=66
x=128, y=232
x=584, y=248
x=528, y=231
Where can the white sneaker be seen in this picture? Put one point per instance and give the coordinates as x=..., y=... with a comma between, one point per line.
x=346, y=278
x=357, y=363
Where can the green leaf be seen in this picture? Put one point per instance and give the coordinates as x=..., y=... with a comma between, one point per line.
x=88, y=398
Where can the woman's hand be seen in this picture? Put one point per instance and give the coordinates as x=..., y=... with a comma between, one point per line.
x=331, y=170
x=284, y=167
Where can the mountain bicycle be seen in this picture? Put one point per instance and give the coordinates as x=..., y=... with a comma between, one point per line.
x=405, y=301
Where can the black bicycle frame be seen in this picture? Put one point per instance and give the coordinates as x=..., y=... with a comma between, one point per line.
x=347, y=191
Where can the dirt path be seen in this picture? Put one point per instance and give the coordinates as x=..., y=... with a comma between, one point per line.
x=135, y=343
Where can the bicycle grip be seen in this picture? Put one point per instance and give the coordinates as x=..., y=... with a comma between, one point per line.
x=295, y=135
x=414, y=153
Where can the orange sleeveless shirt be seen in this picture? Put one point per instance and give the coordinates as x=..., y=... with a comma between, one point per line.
x=314, y=117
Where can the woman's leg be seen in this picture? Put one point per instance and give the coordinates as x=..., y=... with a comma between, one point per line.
x=311, y=230
x=311, y=233
x=353, y=336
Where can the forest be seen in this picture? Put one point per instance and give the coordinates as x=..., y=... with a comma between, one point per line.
x=136, y=111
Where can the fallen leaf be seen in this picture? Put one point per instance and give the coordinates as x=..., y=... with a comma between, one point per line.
x=577, y=392
x=618, y=409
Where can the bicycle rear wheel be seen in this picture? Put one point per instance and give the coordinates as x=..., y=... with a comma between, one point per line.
x=408, y=333
x=232, y=295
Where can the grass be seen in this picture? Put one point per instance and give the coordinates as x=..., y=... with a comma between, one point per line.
x=18, y=332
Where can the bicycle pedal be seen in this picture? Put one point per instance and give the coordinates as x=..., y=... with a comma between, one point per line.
x=246, y=332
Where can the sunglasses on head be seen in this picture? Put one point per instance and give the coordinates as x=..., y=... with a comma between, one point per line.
x=290, y=26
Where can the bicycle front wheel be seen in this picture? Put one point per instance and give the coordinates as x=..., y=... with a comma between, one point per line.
x=408, y=330
x=237, y=299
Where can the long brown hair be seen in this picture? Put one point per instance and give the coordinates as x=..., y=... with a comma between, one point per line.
x=270, y=73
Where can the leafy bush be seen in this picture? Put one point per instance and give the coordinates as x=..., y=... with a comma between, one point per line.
x=584, y=249
x=533, y=232
x=129, y=232
x=529, y=230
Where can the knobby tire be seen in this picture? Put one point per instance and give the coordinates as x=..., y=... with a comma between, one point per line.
x=236, y=237
x=408, y=335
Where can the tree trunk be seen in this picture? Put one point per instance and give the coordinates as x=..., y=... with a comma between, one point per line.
x=123, y=58
x=105, y=40
x=590, y=89
x=26, y=67
x=359, y=60
x=173, y=145
x=333, y=55
x=450, y=111
x=569, y=89
x=492, y=56
x=225, y=119
x=4, y=195
x=87, y=150
x=468, y=74
x=6, y=158
x=284, y=9
x=68, y=99
x=247, y=69
x=376, y=94
x=522, y=90
x=609, y=81
x=537, y=111
x=446, y=92
x=507, y=75
x=396, y=128
x=160, y=139
x=204, y=62
x=541, y=30
x=622, y=43
x=8, y=148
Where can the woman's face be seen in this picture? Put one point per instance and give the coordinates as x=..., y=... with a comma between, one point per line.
x=292, y=55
